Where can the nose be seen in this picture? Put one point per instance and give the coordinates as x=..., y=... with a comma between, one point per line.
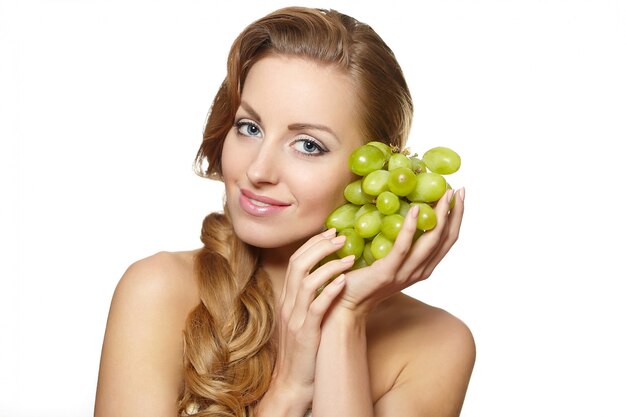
x=264, y=165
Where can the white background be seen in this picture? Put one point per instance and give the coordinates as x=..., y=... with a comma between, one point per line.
x=102, y=106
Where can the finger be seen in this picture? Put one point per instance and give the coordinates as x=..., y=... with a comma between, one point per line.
x=328, y=234
x=322, y=303
x=426, y=246
x=313, y=282
x=452, y=235
x=442, y=212
x=300, y=266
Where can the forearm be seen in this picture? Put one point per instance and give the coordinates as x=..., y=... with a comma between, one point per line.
x=342, y=383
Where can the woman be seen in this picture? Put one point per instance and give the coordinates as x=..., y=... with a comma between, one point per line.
x=235, y=328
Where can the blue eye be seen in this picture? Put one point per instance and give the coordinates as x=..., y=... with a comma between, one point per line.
x=309, y=147
x=248, y=128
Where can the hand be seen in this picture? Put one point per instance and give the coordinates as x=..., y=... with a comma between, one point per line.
x=407, y=262
x=301, y=312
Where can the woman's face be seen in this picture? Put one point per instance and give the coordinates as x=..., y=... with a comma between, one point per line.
x=285, y=161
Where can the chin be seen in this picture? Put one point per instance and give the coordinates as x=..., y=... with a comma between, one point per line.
x=262, y=241
x=270, y=239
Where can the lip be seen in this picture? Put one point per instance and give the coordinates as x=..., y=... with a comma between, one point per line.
x=249, y=203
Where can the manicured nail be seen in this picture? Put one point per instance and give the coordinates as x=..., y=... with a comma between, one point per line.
x=462, y=194
x=339, y=240
x=348, y=259
x=415, y=210
x=330, y=232
x=340, y=279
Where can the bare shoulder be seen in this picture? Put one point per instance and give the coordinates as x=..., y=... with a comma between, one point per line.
x=141, y=365
x=162, y=276
x=433, y=357
x=410, y=325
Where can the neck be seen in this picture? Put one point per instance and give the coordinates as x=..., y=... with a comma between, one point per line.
x=276, y=269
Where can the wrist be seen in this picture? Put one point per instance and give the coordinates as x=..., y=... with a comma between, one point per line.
x=345, y=318
x=283, y=400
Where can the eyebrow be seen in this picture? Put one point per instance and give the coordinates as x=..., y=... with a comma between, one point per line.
x=292, y=126
x=251, y=111
x=303, y=126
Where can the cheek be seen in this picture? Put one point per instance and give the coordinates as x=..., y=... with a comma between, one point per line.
x=326, y=192
x=229, y=159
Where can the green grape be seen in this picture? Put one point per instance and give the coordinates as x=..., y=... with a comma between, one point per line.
x=387, y=202
x=367, y=253
x=442, y=160
x=401, y=181
x=376, y=182
x=342, y=217
x=429, y=187
x=398, y=160
x=366, y=159
x=391, y=225
x=426, y=219
x=384, y=148
x=381, y=246
x=365, y=208
x=354, y=243
x=417, y=165
x=391, y=183
x=404, y=208
x=354, y=194
x=368, y=224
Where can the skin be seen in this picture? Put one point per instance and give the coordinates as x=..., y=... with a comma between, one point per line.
x=273, y=155
x=362, y=348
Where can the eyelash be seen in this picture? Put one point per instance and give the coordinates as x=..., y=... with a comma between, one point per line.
x=241, y=123
x=319, y=148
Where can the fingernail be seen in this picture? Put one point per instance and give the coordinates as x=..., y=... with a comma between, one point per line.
x=449, y=195
x=462, y=194
x=415, y=210
x=339, y=240
x=330, y=232
x=340, y=279
x=347, y=259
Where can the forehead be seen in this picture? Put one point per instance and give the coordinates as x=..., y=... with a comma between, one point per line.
x=284, y=89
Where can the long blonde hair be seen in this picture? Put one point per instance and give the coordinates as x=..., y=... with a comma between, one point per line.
x=229, y=351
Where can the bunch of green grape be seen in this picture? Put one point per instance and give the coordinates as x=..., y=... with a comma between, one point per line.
x=391, y=182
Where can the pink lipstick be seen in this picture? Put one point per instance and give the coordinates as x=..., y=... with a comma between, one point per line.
x=261, y=206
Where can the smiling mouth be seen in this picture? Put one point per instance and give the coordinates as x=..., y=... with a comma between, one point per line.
x=259, y=203
x=260, y=206
x=262, y=201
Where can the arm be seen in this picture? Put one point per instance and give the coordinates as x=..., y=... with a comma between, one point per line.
x=299, y=325
x=342, y=382
x=432, y=383
x=342, y=385
x=141, y=363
